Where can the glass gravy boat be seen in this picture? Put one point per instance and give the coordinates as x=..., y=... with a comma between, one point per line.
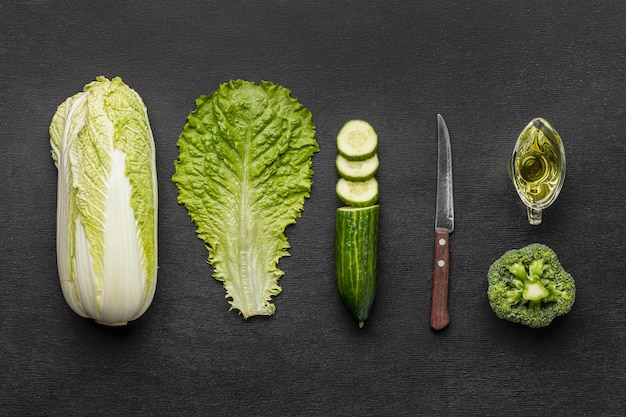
x=537, y=167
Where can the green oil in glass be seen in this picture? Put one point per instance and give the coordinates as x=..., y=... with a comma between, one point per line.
x=537, y=166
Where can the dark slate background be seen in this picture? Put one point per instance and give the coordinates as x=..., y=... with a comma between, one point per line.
x=488, y=66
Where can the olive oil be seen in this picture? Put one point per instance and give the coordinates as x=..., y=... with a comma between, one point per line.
x=537, y=167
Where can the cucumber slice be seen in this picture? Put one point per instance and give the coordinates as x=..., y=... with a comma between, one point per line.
x=357, y=170
x=358, y=193
x=357, y=140
x=356, y=258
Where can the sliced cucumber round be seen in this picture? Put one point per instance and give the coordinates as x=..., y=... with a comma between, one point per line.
x=357, y=140
x=358, y=193
x=357, y=170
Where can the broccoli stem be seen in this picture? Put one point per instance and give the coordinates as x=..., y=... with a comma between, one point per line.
x=529, y=282
x=534, y=291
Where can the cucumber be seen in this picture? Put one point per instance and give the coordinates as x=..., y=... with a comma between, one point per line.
x=356, y=258
x=358, y=193
x=357, y=140
x=357, y=170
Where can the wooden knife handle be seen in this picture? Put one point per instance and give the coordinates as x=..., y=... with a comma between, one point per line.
x=439, y=317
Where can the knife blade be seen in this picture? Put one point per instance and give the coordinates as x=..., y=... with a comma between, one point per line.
x=444, y=225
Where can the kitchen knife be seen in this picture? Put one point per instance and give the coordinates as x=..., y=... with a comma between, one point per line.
x=444, y=225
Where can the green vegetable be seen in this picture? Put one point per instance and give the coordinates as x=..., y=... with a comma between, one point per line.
x=103, y=148
x=358, y=193
x=530, y=286
x=357, y=140
x=357, y=170
x=243, y=173
x=356, y=227
x=356, y=258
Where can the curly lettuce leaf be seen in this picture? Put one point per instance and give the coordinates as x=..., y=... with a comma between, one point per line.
x=243, y=173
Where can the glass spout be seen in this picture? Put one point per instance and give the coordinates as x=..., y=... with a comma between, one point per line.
x=534, y=215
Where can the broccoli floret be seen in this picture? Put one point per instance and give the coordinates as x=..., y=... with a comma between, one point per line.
x=529, y=286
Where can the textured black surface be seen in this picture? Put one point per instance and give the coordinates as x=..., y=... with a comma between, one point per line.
x=488, y=66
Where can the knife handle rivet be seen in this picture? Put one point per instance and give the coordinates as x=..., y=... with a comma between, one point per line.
x=441, y=263
x=442, y=242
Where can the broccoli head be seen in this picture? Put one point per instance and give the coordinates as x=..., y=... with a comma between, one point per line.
x=529, y=286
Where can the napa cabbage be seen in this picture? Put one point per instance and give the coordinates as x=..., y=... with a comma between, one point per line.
x=103, y=148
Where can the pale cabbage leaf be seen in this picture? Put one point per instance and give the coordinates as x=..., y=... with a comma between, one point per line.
x=243, y=173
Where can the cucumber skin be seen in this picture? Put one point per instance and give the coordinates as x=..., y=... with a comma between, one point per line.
x=356, y=259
